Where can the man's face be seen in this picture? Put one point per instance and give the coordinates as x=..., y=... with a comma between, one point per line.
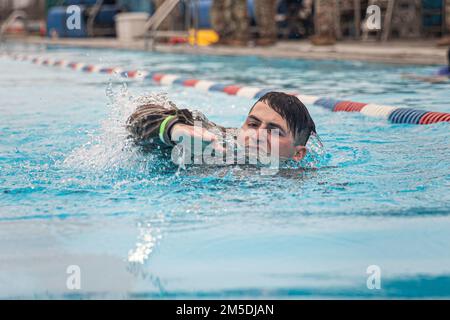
x=255, y=133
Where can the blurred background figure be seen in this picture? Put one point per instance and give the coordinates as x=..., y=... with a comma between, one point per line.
x=305, y=15
x=229, y=19
x=265, y=14
x=294, y=19
x=445, y=41
x=324, y=22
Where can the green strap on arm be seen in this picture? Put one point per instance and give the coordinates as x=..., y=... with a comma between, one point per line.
x=162, y=128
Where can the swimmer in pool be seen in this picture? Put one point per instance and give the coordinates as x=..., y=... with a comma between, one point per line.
x=155, y=126
x=442, y=75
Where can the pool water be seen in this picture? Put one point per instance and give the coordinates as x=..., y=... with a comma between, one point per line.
x=73, y=192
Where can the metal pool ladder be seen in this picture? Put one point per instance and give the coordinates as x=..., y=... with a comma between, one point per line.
x=16, y=14
x=153, y=23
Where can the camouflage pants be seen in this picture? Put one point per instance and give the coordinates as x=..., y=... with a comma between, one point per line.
x=173, y=20
x=265, y=12
x=324, y=18
x=229, y=19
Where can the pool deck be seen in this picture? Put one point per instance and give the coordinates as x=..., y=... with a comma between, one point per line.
x=416, y=52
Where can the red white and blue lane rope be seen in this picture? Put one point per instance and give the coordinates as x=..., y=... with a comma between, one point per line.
x=392, y=114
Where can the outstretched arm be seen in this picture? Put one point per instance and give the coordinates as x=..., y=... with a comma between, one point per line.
x=151, y=124
x=155, y=125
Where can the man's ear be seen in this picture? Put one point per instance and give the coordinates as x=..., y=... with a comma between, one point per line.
x=299, y=153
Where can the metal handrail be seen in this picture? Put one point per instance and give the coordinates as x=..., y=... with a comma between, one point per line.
x=156, y=19
x=160, y=14
x=92, y=15
x=154, y=22
x=16, y=14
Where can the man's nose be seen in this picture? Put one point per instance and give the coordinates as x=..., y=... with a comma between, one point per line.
x=262, y=135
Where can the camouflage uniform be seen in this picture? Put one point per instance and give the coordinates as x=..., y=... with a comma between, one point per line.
x=229, y=19
x=324, y=18
x=265, y=12
x=173, y=20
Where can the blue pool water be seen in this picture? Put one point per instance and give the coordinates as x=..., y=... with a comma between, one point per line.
x=72, y=192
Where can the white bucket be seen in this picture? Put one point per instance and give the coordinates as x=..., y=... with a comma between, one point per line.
x=130, y=25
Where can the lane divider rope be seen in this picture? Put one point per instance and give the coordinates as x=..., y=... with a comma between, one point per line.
x=390, y=113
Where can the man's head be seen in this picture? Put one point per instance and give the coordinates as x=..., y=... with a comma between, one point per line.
x=287, y=114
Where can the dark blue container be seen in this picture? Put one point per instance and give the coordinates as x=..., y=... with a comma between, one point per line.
x=107, y=14
x=434, y=17
x=57, y=24
x=431, y=4
x=57, y=21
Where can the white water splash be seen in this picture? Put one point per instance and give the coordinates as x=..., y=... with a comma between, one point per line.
x=109, y=147
x=317, y=155
x=147, y=239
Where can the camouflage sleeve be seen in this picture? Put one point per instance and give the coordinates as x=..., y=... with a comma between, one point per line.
x=150, y=124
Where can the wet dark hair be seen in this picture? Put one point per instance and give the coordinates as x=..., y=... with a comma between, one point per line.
x=291, y=109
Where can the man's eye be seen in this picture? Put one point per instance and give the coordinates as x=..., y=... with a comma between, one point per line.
x=276, y=132
x=252, y=125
